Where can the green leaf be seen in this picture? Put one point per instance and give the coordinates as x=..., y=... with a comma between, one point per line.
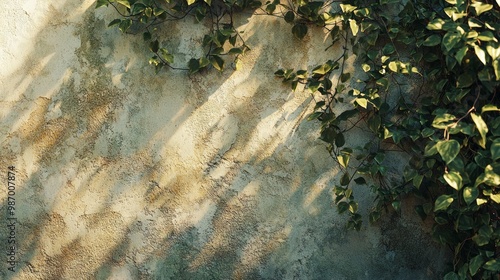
x=314, y=116
x=475, y=264
x=114, y=22
x=190, y=2
x=125, y=25
x=459, y=56
x=125, y=3
x=345, y=179
x=101, y=3
x=154, y=46
x=470, y=194
x=443, y=202
x=388, y=49
x=453, y=179
x=193, y=65
x=448, y=149
x=353, y=207
x=450, y=39
x=342, y=207
x=451, y=276
x=492, y=265
x=374, y=123
x=443, y=120
x=489, y=108
x=417, y=181
x=374, y=216
x=339, y=140
x=289, y=16
x=360, y=181
x=217, y=62
x=344, y=77
x=432, y=40
x=465, y=80
x=481, y=127
x=480, y=53
x=204, y=62
x=146, y=36
x=299, y=30
x=169, y=58
x=495, y=149
x=363, y=102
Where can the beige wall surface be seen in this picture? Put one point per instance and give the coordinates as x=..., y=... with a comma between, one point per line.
x=124, y=174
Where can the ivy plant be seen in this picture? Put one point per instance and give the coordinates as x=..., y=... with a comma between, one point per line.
x=429, y=89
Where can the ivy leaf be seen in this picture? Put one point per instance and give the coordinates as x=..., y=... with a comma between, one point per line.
x=125, y=3
x=344, y=180
x=470, y=194
x=193, y=65
x=190, y=2
x=114, y=22
x=481, y=7
x=360, y=181
x=454, y=180
x=146, y=36
x=343, y=159
x=492, y=265
x=432, y=40
x=168, y=57
x=465, y=80
x=448, y=149
x=496, y=68
x=101, y=3
x=480, y=53
x=493, y=50
x=495, y=149
x=125, y=25
x=354, y=26
x=374, y=123
x=481, y=127
x=459, y=56
x=299, y=30
x=451, y=276
x=289, y=16
x=217, y=62
x=450, y=39
x=495, y=197
x=443, y=202
x=347, y=8
x=154, y=46
x=475, y=263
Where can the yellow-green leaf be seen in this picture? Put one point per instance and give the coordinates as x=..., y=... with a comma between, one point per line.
x=354, y=26
x=448, y=149
x=480, y=53
x=454, y=180
x=481, y=127
x=443, y=202
x=470, y=194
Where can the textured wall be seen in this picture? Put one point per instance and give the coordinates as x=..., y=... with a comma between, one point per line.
x=123, y=174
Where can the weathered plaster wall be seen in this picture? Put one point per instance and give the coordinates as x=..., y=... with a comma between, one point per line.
x=123, y=174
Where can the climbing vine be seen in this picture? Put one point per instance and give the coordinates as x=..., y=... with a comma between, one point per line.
x=429, y=90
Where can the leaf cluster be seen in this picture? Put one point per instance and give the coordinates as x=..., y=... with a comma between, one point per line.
x=430, y=90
